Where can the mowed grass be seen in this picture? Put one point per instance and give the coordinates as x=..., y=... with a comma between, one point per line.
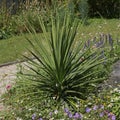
x=95, y=27
x=13, y=48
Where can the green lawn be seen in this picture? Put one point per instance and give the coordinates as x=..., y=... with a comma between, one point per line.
x=100, y=26
x=13, y=48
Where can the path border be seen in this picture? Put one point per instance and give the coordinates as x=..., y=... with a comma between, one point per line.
x=14, y=62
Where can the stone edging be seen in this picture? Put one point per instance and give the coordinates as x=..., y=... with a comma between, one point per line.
x=14, y=62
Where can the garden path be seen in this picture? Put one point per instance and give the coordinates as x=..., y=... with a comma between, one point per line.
x=115, y=75
x=7, y=78
x=7, y=75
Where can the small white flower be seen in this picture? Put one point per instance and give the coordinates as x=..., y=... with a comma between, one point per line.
x=112, y=100
x=89, y=103
x=19, y=118
x=116, y=98
x=56, y=111
x=82, y=34
x=110, y=105
x=119, y=26
x=30, y=109
x=54, y=98
x=52, y=118
x=21, y=101
x=105, y=23
x=116, y=89
x=100, y=26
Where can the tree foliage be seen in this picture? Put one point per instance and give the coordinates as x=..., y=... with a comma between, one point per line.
x=104, y=8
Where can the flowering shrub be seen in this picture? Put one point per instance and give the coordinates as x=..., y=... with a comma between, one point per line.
x=115, y=102
x=104, y=106
x=100, y=109
x=91, y=113
x=98, y=112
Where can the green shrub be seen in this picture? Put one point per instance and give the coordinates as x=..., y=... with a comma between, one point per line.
x=29, y=16
x=64, y=68
x=4, y=20
x=110, y=10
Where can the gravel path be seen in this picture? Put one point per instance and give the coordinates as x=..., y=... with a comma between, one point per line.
x=115, y=75
x=7, y=78
x=7, y=75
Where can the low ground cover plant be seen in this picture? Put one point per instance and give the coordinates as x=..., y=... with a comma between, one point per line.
x=103, y=106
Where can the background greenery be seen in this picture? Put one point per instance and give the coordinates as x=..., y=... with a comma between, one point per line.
x=14, y=15
x=110, y=10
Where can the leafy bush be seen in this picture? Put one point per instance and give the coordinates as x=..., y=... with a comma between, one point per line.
x=115, y=100
x=4, y=20
x=15, y=23
x=29, y=16
x=110, y=10
x=6, y=32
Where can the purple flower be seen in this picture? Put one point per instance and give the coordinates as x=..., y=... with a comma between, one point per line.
x=88, y=109
x=106, y=112
x=101, y=114
x=113, y=117
x=33, y=116
x=50, y=114
x=70, y=115
x=40, y=119
x=102, y=106
x=76, y=115
x=109, y=115
x=95, y=107
x=81, y=116
x=66, y=110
